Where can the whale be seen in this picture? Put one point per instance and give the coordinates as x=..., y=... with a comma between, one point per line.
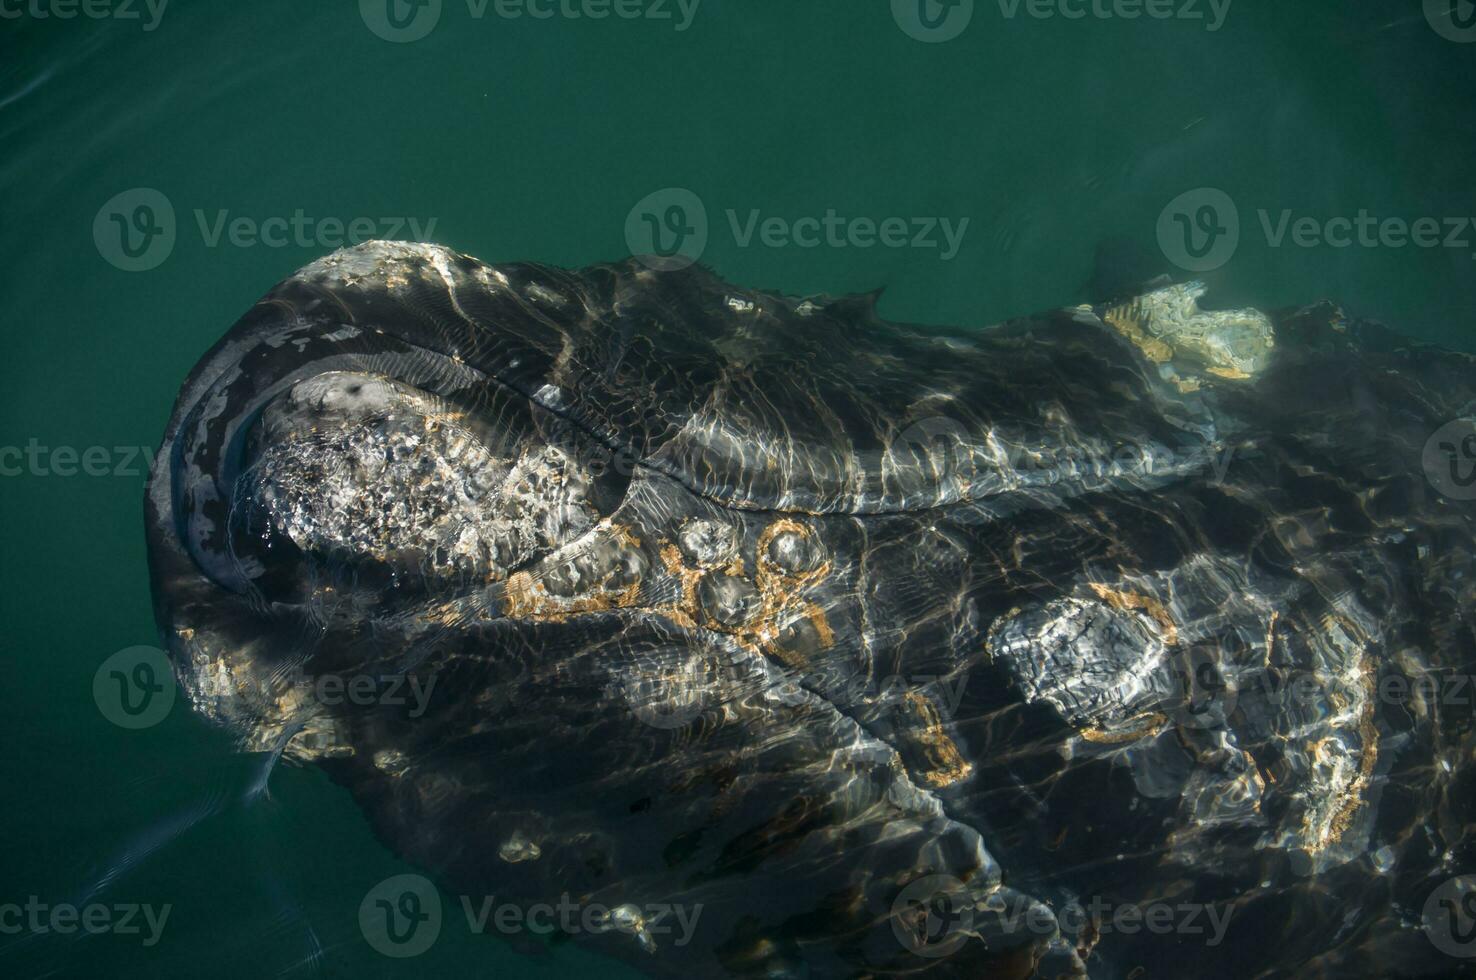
x=1117, y=640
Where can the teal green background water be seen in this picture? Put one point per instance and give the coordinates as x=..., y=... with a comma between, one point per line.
x=533, y=139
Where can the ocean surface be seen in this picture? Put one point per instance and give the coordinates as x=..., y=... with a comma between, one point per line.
x=163, y=166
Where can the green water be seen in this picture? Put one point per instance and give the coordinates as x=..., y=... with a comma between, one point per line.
x=529, y=138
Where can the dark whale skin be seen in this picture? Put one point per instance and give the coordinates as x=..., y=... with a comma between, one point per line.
x=768, y=607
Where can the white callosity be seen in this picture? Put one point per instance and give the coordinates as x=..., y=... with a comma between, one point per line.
x=355, y=466
x=708, y=542
x=1201, y=653
x=1235, y=343
x=1094, y=664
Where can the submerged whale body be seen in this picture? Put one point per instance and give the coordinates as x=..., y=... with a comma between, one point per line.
x=804, y=644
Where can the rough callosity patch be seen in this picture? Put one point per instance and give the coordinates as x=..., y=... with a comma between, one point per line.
x=1333, y=740
x=600, y=571
x=1168, y=326
x=946, y=765
x=1270, y=708
x=357, y=465
x=373, y=259
x=1096, y=663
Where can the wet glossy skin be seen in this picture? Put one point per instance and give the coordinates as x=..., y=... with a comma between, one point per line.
x=771, y=607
